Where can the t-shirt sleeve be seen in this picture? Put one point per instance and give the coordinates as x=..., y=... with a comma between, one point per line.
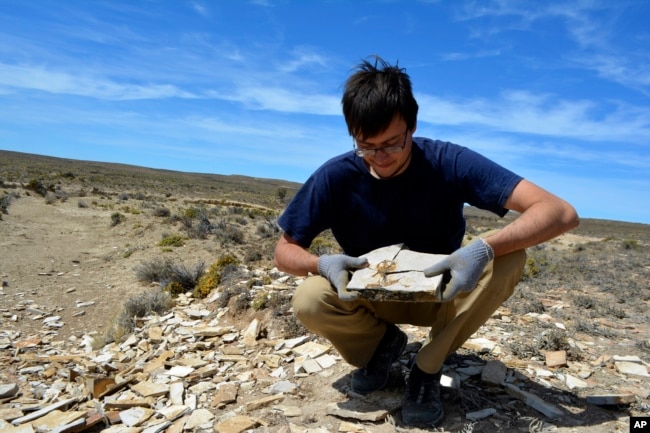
x=484, y=183
x=306, y=215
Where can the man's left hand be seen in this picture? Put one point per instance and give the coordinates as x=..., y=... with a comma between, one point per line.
x=465, y=266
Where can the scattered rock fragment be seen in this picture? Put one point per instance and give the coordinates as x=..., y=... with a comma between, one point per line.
x=632, y=368
x=494, y=373
x=556, y=358
x=611, y=399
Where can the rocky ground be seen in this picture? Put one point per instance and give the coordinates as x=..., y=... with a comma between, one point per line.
x=569, y=352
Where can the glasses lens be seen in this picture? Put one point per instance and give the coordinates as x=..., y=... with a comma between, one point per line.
x=392, y=149
x=371, y=152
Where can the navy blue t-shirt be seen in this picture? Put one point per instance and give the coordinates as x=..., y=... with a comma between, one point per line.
x=422, y=207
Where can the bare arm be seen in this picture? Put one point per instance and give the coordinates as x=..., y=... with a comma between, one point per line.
x=293, y=258
x=543, y=217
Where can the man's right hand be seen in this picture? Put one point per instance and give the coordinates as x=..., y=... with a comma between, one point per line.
x=336, y=267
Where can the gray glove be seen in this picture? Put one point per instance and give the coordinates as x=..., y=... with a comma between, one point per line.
x=335, y=268
x=465, y=266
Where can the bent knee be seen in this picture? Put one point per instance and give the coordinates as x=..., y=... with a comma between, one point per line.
x=509, y=269
x=309, y=297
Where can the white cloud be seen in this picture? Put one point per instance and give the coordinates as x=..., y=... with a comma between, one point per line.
x=547, y=115
x=302, y=57
x=200, y=8
x=285, y=100
x=457, y=56
x=43, y=79
x=600, y=43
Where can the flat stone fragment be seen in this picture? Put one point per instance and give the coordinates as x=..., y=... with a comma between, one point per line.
x=173, y=412
x=494, y=373
x=179, y=371
x=547, y=409
x=43, y=411
x=472, y=370
x=359, y=410
x=480, y=414
x=57, y=418
x=8, y=390
x=263, y=402
x=311, y=366
x=207, y=371
x=155, y=334
x=283, y=387
x=226, y=393
x=481, y=345
x=236, y=424
x=574, y=382
x=127, y=404
x=249, y=337
x=611, y=399
x=159, y=362
x=555, y=358
x=632, y=368
x=627, y=358
x=150, y=389
x=120, y=428
x=348, y=427
x=288, y=411
x=311, y=350
x=158, y=428
x=136, y=416
x=293, y=342
x=9, y=414
x=176, y=392
x=99, y=385
x=326, y=361
x=211, y=331
x=198, y=418
x=395, y=273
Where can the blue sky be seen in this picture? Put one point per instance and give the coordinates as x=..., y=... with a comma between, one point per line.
x=558, y=92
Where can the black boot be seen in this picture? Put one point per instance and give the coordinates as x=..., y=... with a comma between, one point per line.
x=375, y=375
x=422, y=404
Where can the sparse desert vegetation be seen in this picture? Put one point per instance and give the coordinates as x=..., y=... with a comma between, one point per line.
x=131, y=240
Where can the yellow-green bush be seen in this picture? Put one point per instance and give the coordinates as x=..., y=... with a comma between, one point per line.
x=192, y=212
x=172, y=241
x=323, y=245
x=211, y=279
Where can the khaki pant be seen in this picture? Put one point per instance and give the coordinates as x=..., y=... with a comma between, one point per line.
x=356, y=327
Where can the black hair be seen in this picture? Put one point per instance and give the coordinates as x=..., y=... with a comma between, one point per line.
x=374, y=94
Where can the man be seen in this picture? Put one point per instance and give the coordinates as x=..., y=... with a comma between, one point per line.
x=397, y=188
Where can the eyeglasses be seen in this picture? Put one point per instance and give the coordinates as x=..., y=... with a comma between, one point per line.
x=361, y=152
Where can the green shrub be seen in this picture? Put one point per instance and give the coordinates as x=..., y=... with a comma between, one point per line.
x=192, y=212
x=38, y=187
x=117, y=218
x=259, y=302
x=630, y=244
x=172, y=241
x=282, y=194
x=534, y=266
x=174, y=278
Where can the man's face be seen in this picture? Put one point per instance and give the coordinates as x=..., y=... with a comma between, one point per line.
x=397, y=138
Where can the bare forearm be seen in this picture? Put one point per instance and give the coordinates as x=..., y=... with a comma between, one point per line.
x=545, y=218
x=528, y=230
x=293, y=259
